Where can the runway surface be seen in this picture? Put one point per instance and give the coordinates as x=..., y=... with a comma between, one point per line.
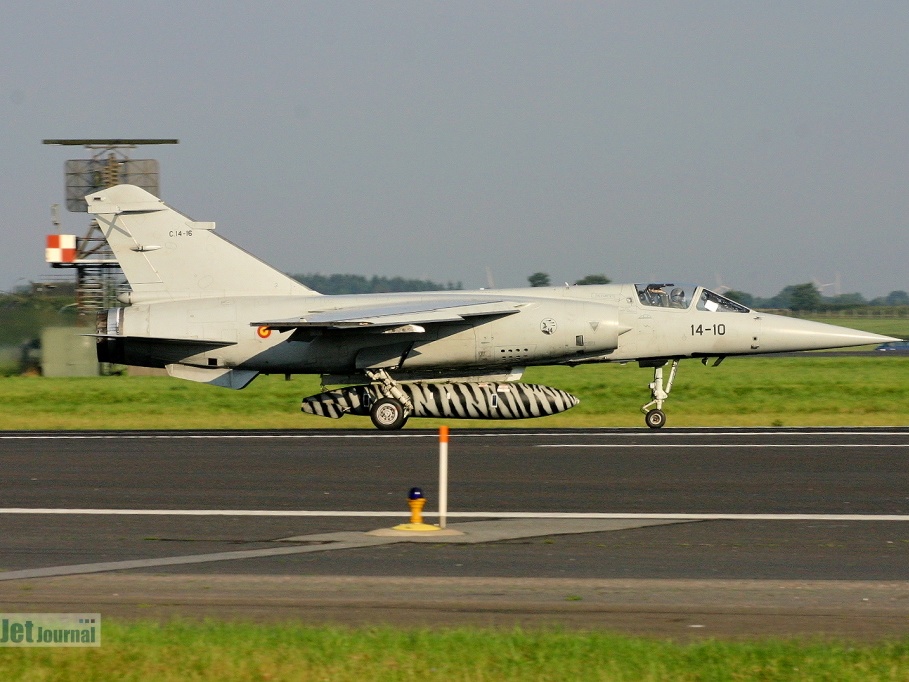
x=787, y=554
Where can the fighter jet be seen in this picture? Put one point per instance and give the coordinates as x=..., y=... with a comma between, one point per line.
x=208, y=311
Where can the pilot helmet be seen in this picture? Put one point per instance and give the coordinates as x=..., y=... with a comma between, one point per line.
x=677, y=294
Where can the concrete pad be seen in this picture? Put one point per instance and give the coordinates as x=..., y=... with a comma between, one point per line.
x=491, y=531
x=405, y=533
x=476, y=532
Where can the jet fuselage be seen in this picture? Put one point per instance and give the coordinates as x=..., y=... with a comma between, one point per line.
x=208, y=311
x=560, y=325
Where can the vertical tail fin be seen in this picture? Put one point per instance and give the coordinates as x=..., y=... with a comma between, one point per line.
x=166, y=255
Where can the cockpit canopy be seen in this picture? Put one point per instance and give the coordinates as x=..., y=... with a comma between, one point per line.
x=680, y=296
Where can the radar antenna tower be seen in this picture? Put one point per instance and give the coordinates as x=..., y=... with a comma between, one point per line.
x=99, y=279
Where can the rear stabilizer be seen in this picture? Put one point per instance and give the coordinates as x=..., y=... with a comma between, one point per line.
x=166, y=255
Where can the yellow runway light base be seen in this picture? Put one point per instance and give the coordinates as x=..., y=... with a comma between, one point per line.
x=416, y=502
x=415, y=526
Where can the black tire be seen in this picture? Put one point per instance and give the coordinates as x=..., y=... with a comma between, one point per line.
x=655, y=419
x=387, y=414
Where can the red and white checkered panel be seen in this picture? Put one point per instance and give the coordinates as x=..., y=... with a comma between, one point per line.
x=61, y=248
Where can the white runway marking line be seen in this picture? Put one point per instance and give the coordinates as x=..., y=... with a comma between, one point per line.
x=178, y=436
x=462, y=515
x=433, y=435
x=723, y=445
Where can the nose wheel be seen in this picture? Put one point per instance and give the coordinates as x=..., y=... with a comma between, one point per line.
x=654, y=416
x=655, y=419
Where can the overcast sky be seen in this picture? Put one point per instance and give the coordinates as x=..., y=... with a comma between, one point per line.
x=752, y=144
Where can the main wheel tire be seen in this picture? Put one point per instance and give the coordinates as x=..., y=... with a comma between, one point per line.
x=387, y=414
x=655, y=419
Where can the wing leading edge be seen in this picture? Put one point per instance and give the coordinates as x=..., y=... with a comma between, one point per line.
x=393, y=315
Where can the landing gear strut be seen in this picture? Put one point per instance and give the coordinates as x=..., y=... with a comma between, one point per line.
x=390, y=412
x=653, y=411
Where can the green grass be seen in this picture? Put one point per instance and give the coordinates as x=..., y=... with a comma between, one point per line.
x=762, y=391
x=240, y=651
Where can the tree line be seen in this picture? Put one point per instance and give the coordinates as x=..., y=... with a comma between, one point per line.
x=358, y=284
x=541, y=279
x=808, y=296
x=795, y=297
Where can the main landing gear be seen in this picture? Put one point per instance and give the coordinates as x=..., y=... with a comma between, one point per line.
x=390, y=412
x=653, y=411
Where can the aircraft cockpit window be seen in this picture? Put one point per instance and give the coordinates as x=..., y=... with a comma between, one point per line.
x=665, y=295
x=715, y=303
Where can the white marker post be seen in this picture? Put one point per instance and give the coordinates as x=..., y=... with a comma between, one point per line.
x=443, y=475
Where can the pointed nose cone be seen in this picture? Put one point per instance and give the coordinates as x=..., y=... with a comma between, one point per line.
x=780, y=334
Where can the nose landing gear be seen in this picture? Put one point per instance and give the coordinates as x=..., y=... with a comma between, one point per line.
x=654, y=416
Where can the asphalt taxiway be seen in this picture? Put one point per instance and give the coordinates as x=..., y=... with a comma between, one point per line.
x=758, y=531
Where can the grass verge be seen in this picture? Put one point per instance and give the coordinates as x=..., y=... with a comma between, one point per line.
x=241, y=651
x=761, y=391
